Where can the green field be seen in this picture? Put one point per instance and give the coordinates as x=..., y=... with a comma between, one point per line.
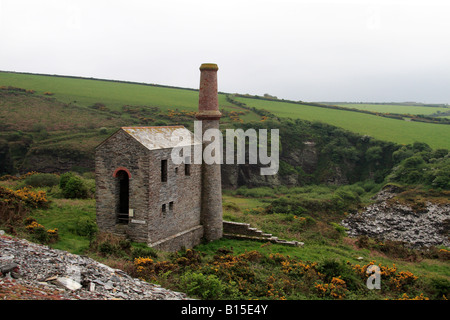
x=403, y=132
x=394, y=108
x=87, y=92
x=114, y=95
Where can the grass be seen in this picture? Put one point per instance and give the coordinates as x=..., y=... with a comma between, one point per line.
x=32, y=112
x=65, y=214
x=398, y=131
x=86, y=92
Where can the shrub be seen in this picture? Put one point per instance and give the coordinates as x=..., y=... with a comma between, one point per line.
x=369, y=186
x=107, y=248
x=15, y=204
x=39, y=233
x=41, y=180
x=160, y=123
x=345, y=197
x=53, y=235
x=137, y=252
x=29, y=220
x=75, y=188
x=286, y=205
x=374, y=153
x=340, y=229
x=402, y=154
x=86, y=227
x=261, y=192
x=203, y=286
x=108, y=244
x=231, y=206
x=440, y=287
x=64, y=178
x=336, y=289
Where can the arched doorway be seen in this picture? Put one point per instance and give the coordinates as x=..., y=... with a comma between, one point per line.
x=122, y=196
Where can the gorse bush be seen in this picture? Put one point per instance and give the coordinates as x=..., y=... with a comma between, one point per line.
x=38, y=232
x=15, y=204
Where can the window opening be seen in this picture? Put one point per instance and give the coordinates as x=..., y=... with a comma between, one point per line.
x=163, y=170
x=123, y=197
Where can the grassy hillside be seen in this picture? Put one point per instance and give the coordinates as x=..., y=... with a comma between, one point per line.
x=86, y=92
x=398, y=131
x=114, y=95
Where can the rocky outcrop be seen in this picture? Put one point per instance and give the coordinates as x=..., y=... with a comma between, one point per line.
x=419, y=225
x=40, y=272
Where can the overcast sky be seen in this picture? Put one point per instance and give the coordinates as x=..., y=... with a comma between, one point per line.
x=353, y=50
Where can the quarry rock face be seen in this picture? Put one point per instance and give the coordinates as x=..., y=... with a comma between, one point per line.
x=306, y=156
x=419, y=226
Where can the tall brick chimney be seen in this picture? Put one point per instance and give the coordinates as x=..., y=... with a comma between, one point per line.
x=209, y=114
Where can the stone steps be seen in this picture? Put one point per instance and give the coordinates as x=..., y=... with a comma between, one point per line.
x=243, y=231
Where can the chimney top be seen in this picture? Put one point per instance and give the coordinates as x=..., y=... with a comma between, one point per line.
x=209, y=66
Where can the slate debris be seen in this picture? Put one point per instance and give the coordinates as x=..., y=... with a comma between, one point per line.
x=388, y=220
x=33, y=271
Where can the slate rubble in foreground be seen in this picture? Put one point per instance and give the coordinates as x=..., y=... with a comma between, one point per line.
x=33, y=271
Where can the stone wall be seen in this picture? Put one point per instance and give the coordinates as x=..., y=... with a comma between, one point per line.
x=185, y=239
x=181, y=196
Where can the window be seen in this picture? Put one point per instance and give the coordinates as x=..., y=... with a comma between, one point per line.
x=187, y=166
x=170, y=205
x=164, y=208
x=163, y=170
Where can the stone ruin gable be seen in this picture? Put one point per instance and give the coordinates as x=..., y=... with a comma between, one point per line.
x=122, y=151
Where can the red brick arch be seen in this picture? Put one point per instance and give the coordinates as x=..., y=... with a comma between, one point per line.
x=119, y=169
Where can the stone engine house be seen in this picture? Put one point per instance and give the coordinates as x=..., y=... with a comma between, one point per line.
x=143, y=195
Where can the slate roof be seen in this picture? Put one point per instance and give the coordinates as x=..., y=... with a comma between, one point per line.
x=161, y=137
